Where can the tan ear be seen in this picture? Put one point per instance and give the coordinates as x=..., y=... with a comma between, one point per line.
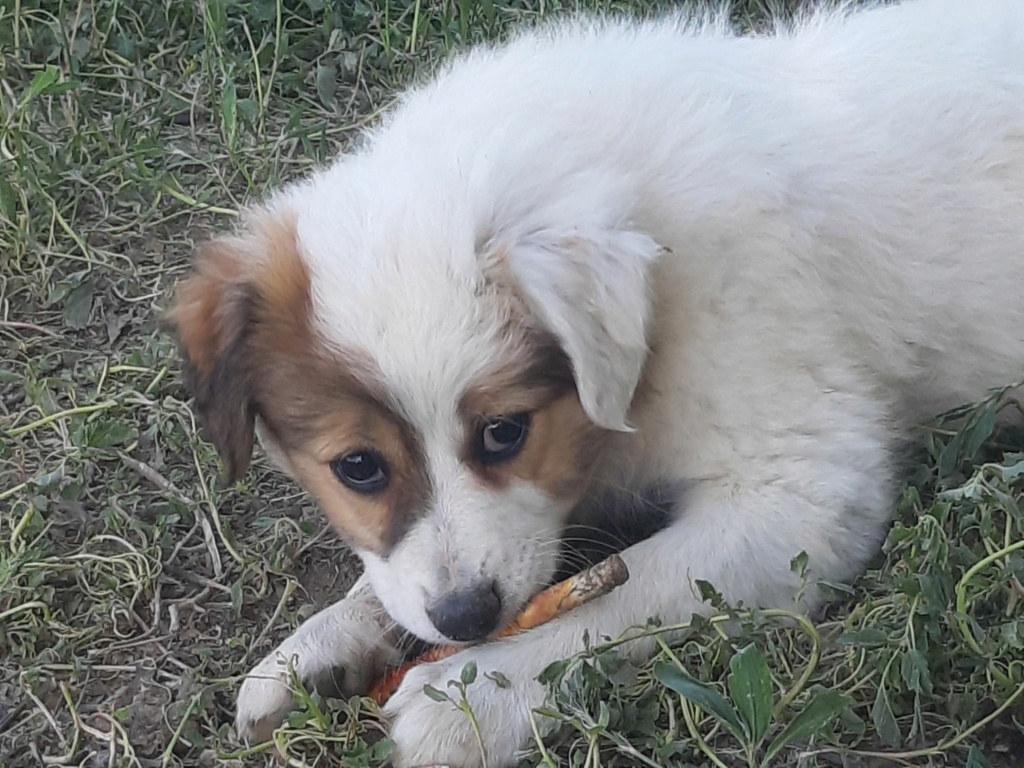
x=211, y=317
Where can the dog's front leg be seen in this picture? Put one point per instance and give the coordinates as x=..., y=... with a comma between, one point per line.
x=343, y=648
x=740, y=541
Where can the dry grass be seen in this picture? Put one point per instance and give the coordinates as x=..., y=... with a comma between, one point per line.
x=134, y=591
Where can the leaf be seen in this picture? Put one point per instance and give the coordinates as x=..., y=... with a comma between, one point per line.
x=949, y=459
x=42, y=82
x=216, y=16
x=979, y=432
x=326, y=83
x=884, y=720
x=710, y=595
x=498, y=679
x=435, y=694
x=750, y=686
x=116, y=323
x=554, y=671
x=229, y=112
x=976, y=758
x=8, y=201
x=554, y=714
x=299, y=719
x=915, y=673
x=468, y=674
x=236, y=597
x=248, y=108
x=708, y=699
x=819, y=712
x=381, y=749
x=78, y=305
x=798, y=564
x=1011, y=472
x=108, y=433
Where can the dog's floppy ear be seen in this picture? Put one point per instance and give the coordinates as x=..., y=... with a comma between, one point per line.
x=591, y=290
x=211, y=317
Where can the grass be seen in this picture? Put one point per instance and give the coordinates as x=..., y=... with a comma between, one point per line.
x=135, y=590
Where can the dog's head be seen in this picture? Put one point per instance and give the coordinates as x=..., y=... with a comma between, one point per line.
x=443, y=389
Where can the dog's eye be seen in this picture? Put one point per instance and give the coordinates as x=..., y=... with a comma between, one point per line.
x=502, y=438
x=361, y=471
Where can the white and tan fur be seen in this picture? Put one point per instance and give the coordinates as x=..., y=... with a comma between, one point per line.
x=763, y=260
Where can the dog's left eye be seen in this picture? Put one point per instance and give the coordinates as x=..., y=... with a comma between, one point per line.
x=361, y=471
x=502, y=438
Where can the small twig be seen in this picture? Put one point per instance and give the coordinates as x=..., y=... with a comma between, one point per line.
x=538, y=740
x=691, y=726
x=86, y=664
x=45, y=713
x=180, y=545
x=147, y=472
x=19, y=326
x=1017, y=586
x=176, y=736
x=313, y=541
x=82, y=409
x=13, y=490
x=289, y=589
x=70, y=754
x=22, y=607
x=196, y=578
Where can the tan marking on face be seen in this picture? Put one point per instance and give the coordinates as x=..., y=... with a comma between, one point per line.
x=244, y=322
x=562, y=445
x=321, y=405
x=372, y=521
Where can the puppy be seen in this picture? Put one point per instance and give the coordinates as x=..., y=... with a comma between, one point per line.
x=647, y=259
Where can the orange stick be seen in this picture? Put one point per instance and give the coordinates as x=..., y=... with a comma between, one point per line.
x=553, y=602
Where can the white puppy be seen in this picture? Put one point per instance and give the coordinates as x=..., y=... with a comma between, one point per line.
x=618, y=257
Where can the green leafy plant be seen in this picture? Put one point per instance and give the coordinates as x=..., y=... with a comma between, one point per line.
x=461, y=702
x=749, y=714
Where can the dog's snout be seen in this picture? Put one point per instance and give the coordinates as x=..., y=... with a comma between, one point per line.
x=467, y=614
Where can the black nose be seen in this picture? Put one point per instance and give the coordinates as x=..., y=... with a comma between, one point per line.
x=467, y=614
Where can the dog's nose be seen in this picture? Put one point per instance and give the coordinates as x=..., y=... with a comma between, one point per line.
x=467, y=614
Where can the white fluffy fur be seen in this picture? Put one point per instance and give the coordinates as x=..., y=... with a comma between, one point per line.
x=818, y=234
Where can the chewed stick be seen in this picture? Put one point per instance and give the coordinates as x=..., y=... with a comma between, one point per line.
x=553, y=602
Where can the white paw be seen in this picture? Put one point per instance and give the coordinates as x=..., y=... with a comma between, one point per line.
x=342, y=649
x=427, y=732
x=264, y=701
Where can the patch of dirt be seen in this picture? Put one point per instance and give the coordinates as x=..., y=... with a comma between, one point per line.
x=326, y=574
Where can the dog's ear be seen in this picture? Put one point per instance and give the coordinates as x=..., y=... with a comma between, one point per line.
x=591, y=290
x=211, y=317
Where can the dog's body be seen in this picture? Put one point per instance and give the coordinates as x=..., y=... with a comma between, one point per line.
x=745, y=267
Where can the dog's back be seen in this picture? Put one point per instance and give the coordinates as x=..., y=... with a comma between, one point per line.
x=881, y=152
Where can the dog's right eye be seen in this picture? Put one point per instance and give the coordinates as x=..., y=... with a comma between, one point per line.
x=502, y=438
x=361, y=471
